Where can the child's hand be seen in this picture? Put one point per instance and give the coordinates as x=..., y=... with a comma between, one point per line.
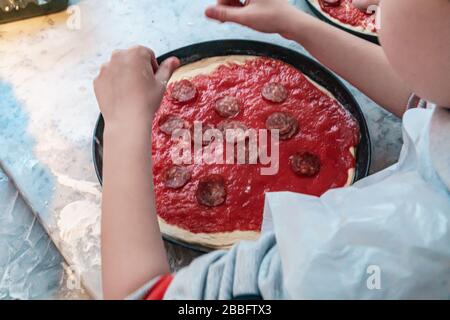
x=269, y=16
x=363, y=5
x=130, y=87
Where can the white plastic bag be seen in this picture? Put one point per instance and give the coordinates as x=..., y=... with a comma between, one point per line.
x=386, y=237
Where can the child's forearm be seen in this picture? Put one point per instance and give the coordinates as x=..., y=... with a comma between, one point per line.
x=129, y=89
x=360, y=62
x=132, y=248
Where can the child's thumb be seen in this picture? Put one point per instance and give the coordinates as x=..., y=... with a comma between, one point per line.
x=224, y=13
x=166, y=69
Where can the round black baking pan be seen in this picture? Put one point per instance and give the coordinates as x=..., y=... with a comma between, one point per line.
x=309, y=67
x=322, y=16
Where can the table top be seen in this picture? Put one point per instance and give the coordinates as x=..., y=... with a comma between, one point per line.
x=48, y=108
x=31, y=267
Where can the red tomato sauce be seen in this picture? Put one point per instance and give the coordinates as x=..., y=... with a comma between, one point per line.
x=348, y=14
x=326, y=129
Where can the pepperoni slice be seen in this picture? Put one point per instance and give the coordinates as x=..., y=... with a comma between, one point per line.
x=285, y=123
x=183, y=91
x=227, y=107
x=176, y=177
x=274, y=92
x=331, y=3
x=195, y=135
x=171, y=123
x=305, y=164
x=233, y=131
x=211, y=191
x=292, y=133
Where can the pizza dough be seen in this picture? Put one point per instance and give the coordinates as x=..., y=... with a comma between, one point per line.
x=217, y=195
x=367, y=28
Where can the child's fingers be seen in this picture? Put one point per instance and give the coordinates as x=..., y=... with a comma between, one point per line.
x=147, y=52
x=235, y=3
x=166, y=69
x=154, y=62
x=224, y=13
x=365, y=4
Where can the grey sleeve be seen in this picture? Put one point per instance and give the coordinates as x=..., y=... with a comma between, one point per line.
x=248, y=269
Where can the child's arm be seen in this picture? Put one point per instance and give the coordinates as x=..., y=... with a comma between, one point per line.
x=129, y=90
x=361, y=63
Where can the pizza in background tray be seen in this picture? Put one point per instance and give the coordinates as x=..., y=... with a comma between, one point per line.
x=216, y=205
x=344, y=14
